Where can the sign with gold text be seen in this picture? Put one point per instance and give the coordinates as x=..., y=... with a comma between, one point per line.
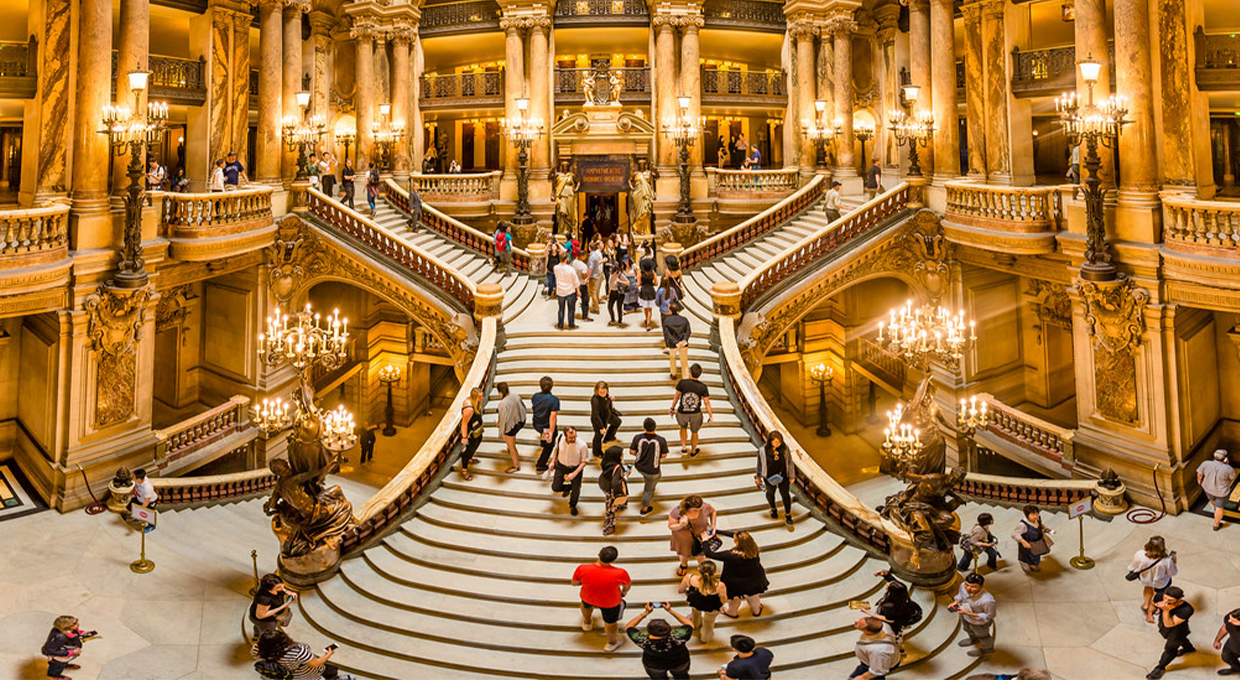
x=603, y=174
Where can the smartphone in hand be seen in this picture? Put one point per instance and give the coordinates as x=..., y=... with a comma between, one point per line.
x=332, y=647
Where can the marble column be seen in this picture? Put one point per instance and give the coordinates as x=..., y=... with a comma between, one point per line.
x=402, y=36
x=691, y=84
x=885, y=146
x=292, y=79
x=665, y=91
x=270, y=46
x=1138, y=152
x=415, y=109
x=90, y=220
x=363, y=33
x=133, y=47
x=943, y=91
x=1183, y=118
x=842, y=28
x=1091, y=43
x=825, y=88
x=804, y=33
x=514, y=84
x=975, y=90
x=919, y=69
x=45, y=128
x=540, y=94
x=997, y=97
x=321, y=25
x=239, y=77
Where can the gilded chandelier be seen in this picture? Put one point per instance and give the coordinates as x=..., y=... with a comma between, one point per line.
x=973, y=415
x=925, y=333
x=902, y=441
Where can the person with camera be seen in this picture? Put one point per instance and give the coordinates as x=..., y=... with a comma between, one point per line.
x=663, y=645
x=1153, y=566
x=271, y=608
x=64, y=646
x=279, y=657
x=976, y=608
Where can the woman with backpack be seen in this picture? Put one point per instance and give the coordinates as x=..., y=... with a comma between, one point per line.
x=503, y=248
x=614, y=483
x=373, y=186
x=272, y=605
x=1153, y=566
x=895, y=606
x=279, y=658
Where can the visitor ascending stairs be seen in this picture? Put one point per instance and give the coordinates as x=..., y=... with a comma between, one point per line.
x=476, y=583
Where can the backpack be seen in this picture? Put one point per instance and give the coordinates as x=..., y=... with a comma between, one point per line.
x=501, y=241
x=272, y=670
x=912, y=617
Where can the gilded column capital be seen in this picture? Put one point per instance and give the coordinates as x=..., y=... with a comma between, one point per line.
x=302, y=6
x=364, y=29
x=322, y=23
x=804, y=28
x=972, y=12
x=921, y=5
x=402, y=32
x=524, y=21
x=686, y=19
x=993, y=9
x=840, y=22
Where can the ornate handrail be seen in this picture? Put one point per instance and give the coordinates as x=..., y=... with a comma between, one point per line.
x=1030, y=432
x=476, y=186
x=723, y=181
x=415, y=260
x=393, y=500
x=1036, y=69
x=203, y=488
x=870, y=352
x=821, y=243
x=463, y=88
x=1217, y=50
x=202, y=430
x=596, y=12
x=454, y=229
x=732, y=82
x=756, y=226
x=34, y=230
x=752, y=14
x=634, y=80
x=826, y=493
x=19, y=59
x=1002, y=208
x=459, y=17
x=1056, y=493
x=174, y=78
x=1206, y=227
x=193, y=214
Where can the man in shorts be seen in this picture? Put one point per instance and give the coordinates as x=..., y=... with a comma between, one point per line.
x=1216, y=477
x=691, y=395
x=603, y=585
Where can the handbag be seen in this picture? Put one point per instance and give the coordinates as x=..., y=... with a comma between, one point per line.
x=1040, y=547
x=1134, y=575
x=775, y=479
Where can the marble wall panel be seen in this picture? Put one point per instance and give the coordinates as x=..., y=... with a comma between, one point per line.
x=54, y=98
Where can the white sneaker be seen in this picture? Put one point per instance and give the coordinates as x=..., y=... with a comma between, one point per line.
x=588, y=625
x=613, y=646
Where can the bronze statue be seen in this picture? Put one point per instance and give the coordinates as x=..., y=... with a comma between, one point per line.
x=641, y=190
x=305, y=516
x=566, y=185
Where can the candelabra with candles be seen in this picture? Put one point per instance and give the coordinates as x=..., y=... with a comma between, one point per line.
x=346, y=138
x=820, y=131
x=523, y=131
x=305, y=339
x=132, y=131
x=973, y=415
x=925, y=333
x=863, y=133
x=912, y=129
x=902, y=441
x=389, y=375
x=823, y=375
x=303, y=132
x=1093, y=124
x=387, y=134
x=683, y=130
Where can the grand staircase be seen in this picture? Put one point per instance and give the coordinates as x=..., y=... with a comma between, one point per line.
x=476, y=583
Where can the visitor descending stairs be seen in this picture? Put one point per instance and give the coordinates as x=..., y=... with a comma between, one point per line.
x=476, y=583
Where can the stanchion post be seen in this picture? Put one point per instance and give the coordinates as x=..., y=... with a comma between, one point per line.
x=254, y=557
x=1078, y=510
x=142, y=565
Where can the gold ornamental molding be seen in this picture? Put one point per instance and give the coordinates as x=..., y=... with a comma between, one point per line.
x=1114, y=313
x=115, y=318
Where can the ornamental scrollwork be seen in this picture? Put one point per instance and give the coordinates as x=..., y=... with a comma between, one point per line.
x=115, y=318
x=1114, y=313
x=173, y=307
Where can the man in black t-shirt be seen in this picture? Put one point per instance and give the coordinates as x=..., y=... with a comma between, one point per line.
x=1231, y=649
x=663, y=645
x=750, y=663
x=1173, y=617
x=691, y=395
x=649, y=449
x=873, y=178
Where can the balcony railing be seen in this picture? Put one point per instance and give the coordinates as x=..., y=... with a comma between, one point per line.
x=751, y=183
x=1218, y=60
x=1048, y=72
x=635, y=81
x=1024, y=219
x=460, y=187
x=463, y=89
x=459, y=17
x=752, y=228
x=1209, y=228
x=601, y=13
x=1030, y=433
x=18, y=69
x=203, y=430
x=209, y=226
x=33, y=231
x=453, y=229
x=731, y=86
x=207, y=488
x=1055, y=494
x=175, y=80
x=753, y=15
x=884, y=364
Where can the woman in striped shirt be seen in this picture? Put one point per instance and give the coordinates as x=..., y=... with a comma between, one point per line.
x=277, y=647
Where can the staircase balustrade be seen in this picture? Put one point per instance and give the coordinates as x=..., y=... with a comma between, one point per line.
x=634, y=81
x=32, y=234
x=459, y=17
x=473, y=88
x=216, y=213
x=203, y=488
x=392, y=247
x=754, y=227
x=202, y=430
x=822, y=243
x=19, y=64
x=1023, y=210
x=478, y=187
x=1218, y=60
x=1202, y=227
x=891, y=366
x=739, y=183
x=451, y=228
x=1049, y=493
x=1031, y=433
x=386, y=507
x=751, y=14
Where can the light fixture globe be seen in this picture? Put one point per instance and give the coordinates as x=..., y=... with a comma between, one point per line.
x=303, y=99
x=910, y=93
x=138, y=80
x=1090, y=69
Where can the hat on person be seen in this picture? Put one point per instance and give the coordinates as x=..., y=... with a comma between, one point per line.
x=1220, y=454
x=1174, y=591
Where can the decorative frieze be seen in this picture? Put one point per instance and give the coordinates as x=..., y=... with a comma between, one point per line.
x=114, y=326
x=1115, y=321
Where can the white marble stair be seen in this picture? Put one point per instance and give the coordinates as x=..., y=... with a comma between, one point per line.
x=475, y=585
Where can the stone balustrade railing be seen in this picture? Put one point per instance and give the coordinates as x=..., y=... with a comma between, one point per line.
x=416, y=261
x=470, y=88
x=822, y=243
x=1022, y=210
x=759, y=15
x=204, y=488
x=32, y=232
x=459, y=17
x=477, y=187
x=387, y=506
x=452, y=228
x=739, y=183
x=1202, y=227
x=634, y=83
x=837, y=502
x=723, y=242
x=202, y=430
x=1030, y=432
x=1048, y=493
x=874, y=354
x=724, y=84
x=215, y=213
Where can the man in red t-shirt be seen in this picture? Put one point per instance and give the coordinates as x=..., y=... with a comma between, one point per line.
x=603, y=586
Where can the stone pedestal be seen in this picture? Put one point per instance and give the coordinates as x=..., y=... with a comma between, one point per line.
x=311, y=568
x=538, y=259
x=1110, y=501
x=119, y=496
x=927, y=568
x=916, y=192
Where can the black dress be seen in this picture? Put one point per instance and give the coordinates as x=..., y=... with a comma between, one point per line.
x=743, y=576
x=703, y=602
